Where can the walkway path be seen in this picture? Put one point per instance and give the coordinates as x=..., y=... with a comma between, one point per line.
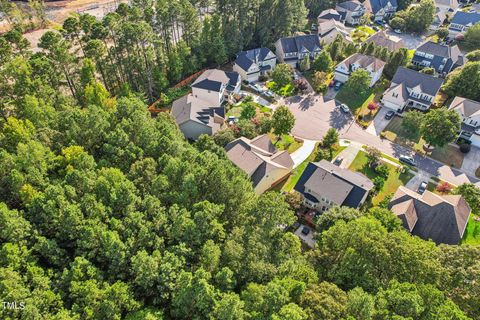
x=349, y=153
x=302, y=153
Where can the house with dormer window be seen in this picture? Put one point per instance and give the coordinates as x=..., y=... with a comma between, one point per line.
x=469, y=112
x=292, y=50
x=461, y=21
x=253, y=63
x=372, y=65
x=381, y=9
x=351, y=12
x=441, y=57
x=411, y=89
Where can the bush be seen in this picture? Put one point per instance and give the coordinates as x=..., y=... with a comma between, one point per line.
x=444, y=187
x=382, y=170
x=378, y=183
x=465, y=148
x=263, y=78
x=322, y=154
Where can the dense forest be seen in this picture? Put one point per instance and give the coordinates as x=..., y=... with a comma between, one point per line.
x=108, y=213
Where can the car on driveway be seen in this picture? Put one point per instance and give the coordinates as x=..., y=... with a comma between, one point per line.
x=256, y=87
x=268, y=93
x=422, y=187
x=344, y=108
x=337, y=85
x=305, y=230
x=389, y=115
x=408, y=160
x=397, y=31
x=338, y=161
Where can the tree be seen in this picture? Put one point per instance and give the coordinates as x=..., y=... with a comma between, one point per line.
x=464, y=82
x=358, y=82
x=418, y=18
x=319, y=82
x=471, y=194
x=335, y=214
x=472, y=36
x=324, y=301
x=398, y=23
x=223, y=137
x=412, y=122
x=444, y=187
x=323, y=62
x=282, y=75
x=442, y=33
x=305, y=63
x=301, y=84
x=330, y=140
x=440, y=126
x=249, y=111
x=283, y=121
x=372, y=106
x=373, y=155
x=398, y=58
x=428, y=71
x=473, y=55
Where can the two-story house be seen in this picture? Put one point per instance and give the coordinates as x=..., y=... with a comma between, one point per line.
x=469, y=111
x=329, y=30
x=381, y=9
x=382, y=39
x=373, y=65
x=261, y=161
x=411, y=89
x=292, y=50
x=324, y=185
x=461, y=21
x=202, y=111
x=329, y=14
x=351, y=11
x=441, y=57
x=251, y=64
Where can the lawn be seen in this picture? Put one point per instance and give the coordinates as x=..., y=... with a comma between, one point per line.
x=285, y=91
x=309, y=76
x=395, y=132
x=236, y=110
x=472, y=232
x=395, y=179
x=361, y=33
x=287, y=142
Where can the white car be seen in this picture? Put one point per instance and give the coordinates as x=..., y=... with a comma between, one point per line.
x=398, y=31
x=344, y=108
x=256, y=87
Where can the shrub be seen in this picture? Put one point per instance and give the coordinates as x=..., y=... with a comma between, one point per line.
x=263, y=78
x=444, y=187
x=322, y=154
x=382, y=171
x=465, y=148
x=378, y=183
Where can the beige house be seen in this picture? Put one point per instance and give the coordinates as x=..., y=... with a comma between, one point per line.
x=324, y=185
x=261, y=161
x=202, y=111
x=469, y=111
x=372, y=65
x=351, y=11
x=442, y=219
x=329, y=30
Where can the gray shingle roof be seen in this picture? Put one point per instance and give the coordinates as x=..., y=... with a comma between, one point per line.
x=329, y=14
x=440, y=218
x=246, y=58
x=376, y=5
x=214, y=79
x=466, y=107
x=392, y=43
x=342, y=186
x=310, y=42
x=350, y=5
x=411, y=79
x=191, y=108
x=466, y=18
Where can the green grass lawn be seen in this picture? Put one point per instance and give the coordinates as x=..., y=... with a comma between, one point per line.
x=236, y=110
x=472, y=233
x=285, y=91
x=361, y=33
x=395, y=179
x=448, y=154
x=286, y=142
x=354, y=101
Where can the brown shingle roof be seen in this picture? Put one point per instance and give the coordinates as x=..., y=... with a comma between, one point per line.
x=392, y=43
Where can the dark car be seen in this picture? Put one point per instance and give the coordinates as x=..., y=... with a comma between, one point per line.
x=422, y=187
x=337, y=85
x=389, y=115
x=338, y=161
x=408, y=160
x=375, y=28
x=305, y=230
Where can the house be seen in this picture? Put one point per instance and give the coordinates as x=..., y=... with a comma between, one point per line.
x=469, y=112
x=373, y=65
x=202, y=111
x=446, y=5
x=324, y=185
x=411, y=89
x=442, y=219
x=441, y=57
x=438, y=20
x=461, y=21
x=292, y=50
x=381, y=9
x=251, y=64
x=382, y=39
x=329, y=30
x=329, y=14
x=260, y=160
x=351, y=11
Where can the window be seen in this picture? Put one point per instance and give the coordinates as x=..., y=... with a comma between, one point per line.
x=395, y=95
x=429, y=56
x=420, y=53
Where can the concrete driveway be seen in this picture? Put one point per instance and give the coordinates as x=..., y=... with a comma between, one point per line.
x=471, y=161
x=415, y=182
x=302, y=153
x=314, y=116
x=410, y=41
x=309, y=238
x=331, y=94
x=379, y=122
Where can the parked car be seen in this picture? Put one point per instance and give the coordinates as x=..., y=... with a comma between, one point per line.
x=398, y=31
x=408, y=160
x=256, y=87
x=380, y=22
x=422, y=187
x=389, y=115
x=344, y=108
x=338, y=161
x=305, y=230
x=375, y=28
x=337, y=85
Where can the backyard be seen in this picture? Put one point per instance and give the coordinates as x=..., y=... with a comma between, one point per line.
x=236, y=110
x=395, y=178
x=448, y=154
x=286, y=142
x=361, y=33
x=472, y=232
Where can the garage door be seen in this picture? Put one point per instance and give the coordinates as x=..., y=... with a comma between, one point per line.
x=340, y=77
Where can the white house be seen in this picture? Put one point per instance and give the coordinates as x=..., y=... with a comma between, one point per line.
x=461, y=21
x=261, y=161
x=373, y=65
x=381, y=9
x=251, y=64
x=351, y=11
x=469, y=111
x=202, y=111
x=411, y=89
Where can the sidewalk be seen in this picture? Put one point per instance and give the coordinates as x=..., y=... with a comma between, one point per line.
x=302, y=153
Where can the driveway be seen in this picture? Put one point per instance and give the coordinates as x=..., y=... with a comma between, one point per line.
x=415, y=182
x=410, y=41
x=309, y=238
x=471, y=161
x=314, y=116
x=331, y=94
x=349, y=154
x=302, y=153
x=379, y=122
